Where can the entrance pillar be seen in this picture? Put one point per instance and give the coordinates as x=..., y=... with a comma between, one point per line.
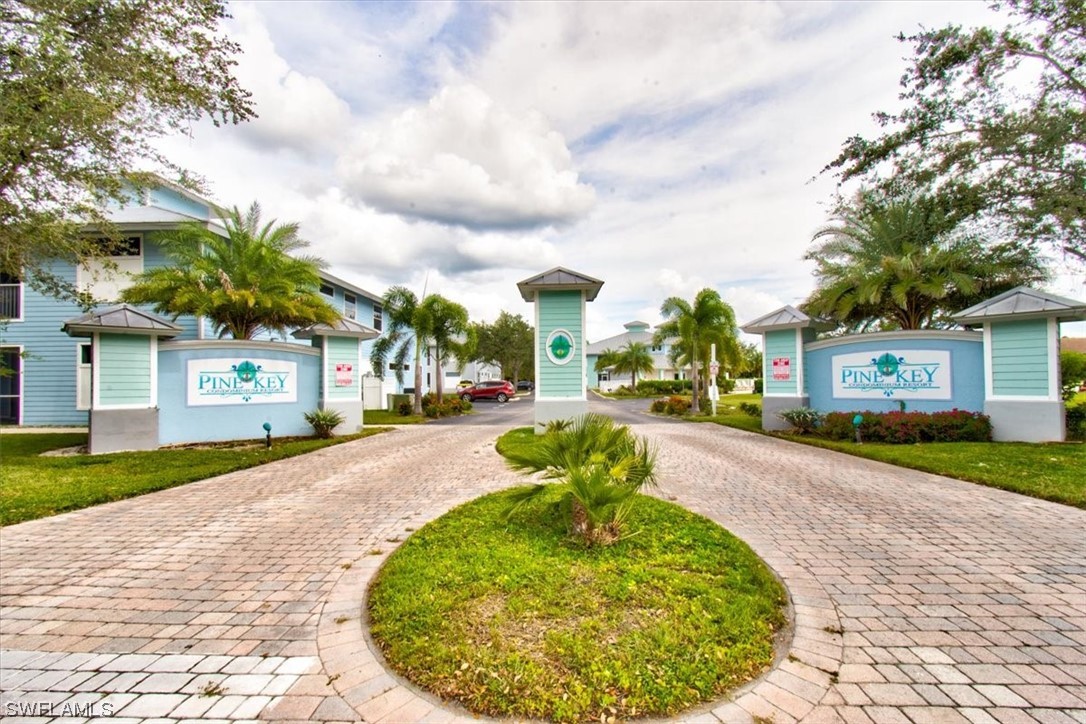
x=561, y=371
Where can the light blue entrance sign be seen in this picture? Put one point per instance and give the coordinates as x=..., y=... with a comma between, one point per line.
x=915, y=374
x=240, y=381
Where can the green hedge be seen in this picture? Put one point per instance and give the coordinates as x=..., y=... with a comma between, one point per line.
x=664, y=387
x=674, y=387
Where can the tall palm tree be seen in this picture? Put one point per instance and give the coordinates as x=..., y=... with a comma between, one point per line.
x=406, y=330
x=899, y=263
x=447, y=327
x=695, y=326
x=633, y=359
x=244, y=283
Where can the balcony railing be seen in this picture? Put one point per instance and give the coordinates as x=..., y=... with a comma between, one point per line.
x=11, y=301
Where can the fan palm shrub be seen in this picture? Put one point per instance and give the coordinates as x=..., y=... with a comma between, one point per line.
x=604, y=464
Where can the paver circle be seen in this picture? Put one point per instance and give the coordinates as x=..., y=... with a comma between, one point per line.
x=917, y=598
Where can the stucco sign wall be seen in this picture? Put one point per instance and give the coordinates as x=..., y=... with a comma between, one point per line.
x=236, y=381
x=908, y=374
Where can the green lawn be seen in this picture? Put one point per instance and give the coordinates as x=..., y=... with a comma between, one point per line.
x=516, y=619
x=384, y=417
x=32, y=486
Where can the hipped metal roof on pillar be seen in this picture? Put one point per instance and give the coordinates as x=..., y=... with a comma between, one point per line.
x=785, y=318
x=342, y=328
x=1023, y=303
x=121, y=319
x=559, y=278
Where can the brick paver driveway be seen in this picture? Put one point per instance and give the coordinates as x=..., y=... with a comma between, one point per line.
x=916, y=598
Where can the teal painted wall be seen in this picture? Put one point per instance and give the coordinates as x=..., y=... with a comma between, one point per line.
x=560, y=310
x=1020, y=358
x=124, y=373
x=780, y=343
x=342, y=350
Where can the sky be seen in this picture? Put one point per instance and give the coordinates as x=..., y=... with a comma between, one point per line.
x=459, y=148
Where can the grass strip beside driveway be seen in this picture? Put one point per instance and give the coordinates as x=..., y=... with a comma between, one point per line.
x=32, y=486
x=1049, y=471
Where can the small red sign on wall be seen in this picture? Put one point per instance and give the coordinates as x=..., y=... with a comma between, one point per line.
x=782, y=368
x=344, y=375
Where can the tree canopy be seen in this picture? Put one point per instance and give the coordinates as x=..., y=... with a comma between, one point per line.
x=900, y=263
x=244, y=283
x=994, y=123
x=508, y=342
x=86, y=86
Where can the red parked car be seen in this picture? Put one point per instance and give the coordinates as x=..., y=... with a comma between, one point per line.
x=499, y=390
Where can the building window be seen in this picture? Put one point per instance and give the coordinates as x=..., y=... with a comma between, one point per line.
x=327, y=290
x=11, y=385
x=377, y=318
x=657, y=348
x=11, y=298
x=349, y=306
x=83, y=376
x=104, y=278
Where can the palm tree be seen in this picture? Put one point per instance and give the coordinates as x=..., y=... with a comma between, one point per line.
x=604, y=464
x=633, y=359
x=606, y=360
x=447, y=327
x=244, y=283
x=406, y=330
x=900, y=263
x=708, y=320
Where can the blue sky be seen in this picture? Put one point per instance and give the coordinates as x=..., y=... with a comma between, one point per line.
x=662, y=147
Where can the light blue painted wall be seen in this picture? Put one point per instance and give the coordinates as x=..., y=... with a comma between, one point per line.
x=180, y=423
x=780, y=343
x=560, y=310
x=171, y=200
x=124, y=369
x=1020, y=358
x=49, y=369
x=966, y=379
x=342, y=350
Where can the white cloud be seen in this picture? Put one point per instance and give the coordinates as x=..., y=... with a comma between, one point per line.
x=464, y=160
x=699, y=127
x=295, y=110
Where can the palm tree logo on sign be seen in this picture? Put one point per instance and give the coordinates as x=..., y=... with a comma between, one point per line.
x=887, y=364
x=560, y=346
x=246, y=372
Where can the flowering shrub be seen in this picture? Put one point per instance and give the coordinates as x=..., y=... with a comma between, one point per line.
x=907, y=428
x=676, y=405
x=451, y=406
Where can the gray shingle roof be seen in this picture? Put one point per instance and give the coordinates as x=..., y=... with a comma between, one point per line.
x=1022, y=303
x=121, y=319
x=343, y=328
x=559, y=278
x=785, y=318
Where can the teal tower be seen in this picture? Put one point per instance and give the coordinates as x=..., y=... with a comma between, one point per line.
x=561, y=362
